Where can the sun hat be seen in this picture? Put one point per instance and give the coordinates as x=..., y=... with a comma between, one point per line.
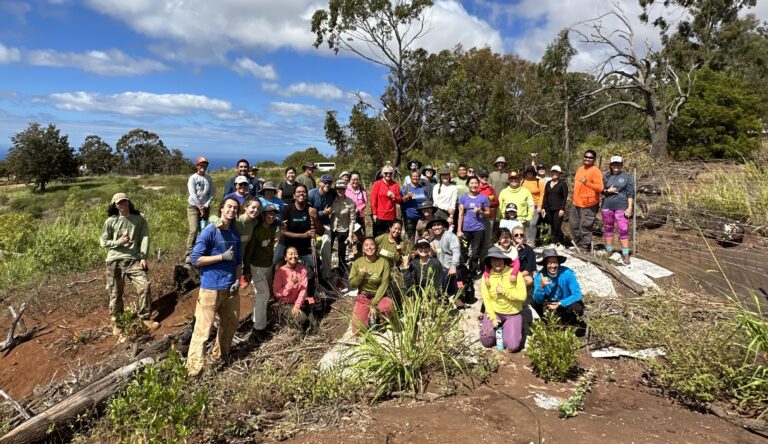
x=432, y=223
x=510, y=207
x=445, y=171
x=344, y=173
x=556, y=168
x=500, y=159
x=427, y=204
x=241, y=179
x=326, y=179
x=550, y=252
x=414, y=165
x=496, y=253
x=268, y=207
x=617, y=159
x=200, y=160
x=268, y=186
x=119, y=197
x=341, y=184
x=309, y=165
x=422, y=243
x=428, y=168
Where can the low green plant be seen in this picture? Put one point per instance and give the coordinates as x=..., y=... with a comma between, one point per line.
x=15, y=230
x=423, y=336
x=575, y=403
x=552, y=348
x=158, y=406
x=130, y=324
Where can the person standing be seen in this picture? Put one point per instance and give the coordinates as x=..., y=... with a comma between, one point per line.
x=125, y=235
x=553, y=204
x=343, y=215
x=499, y=177
x=619, y=201
x=486, y=189
x=541, y=173
x=461, y=182
x=217, y=253
x=201, y=191
x=241, y=190
x=428, y=173
x=306, y=178
x=522, y=198
x=257, y=265
x=413, y=195
x=536, y=187
x=445, y=196
x=447, y=250
x=300, y=227
x=474, y=209
x=287, y=186
x=268, y=196
x=356, y=192
x=321, y=199
x=242, y=167
x=588, y=184
x=385, y=195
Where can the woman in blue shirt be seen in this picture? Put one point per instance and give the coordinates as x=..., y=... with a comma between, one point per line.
x=414, y=194
x=474, y=209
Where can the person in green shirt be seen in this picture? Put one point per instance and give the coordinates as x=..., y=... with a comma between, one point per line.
x=390, y=245
x=305, y=178
x=125, y=234
x=370, y=275
x=257, y=262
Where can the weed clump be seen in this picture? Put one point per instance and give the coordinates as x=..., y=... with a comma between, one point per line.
x=552, y=349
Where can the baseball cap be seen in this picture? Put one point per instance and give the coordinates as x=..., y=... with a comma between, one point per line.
x=422, y=243
x=118, y=197
x=617, y=159
x=510, y=207
x=200, y=160
x=556, y=168
x=241, y=179
x=341, y=184
x=482, y=172
x=513, y=175
x=541, y=167
x=326, y=179
x=268, y=207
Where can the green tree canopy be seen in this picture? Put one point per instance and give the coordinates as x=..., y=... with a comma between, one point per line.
x=298, y=158
x=97, y=156
x=41, y=155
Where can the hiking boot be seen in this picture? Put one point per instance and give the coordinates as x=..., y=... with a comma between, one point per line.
x=459, y=303
x=258, y=337
x=625, y=259
x=151, y=325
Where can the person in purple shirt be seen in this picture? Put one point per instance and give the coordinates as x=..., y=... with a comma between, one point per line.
x=218, y=255
x=241, y=190
x=474, y=208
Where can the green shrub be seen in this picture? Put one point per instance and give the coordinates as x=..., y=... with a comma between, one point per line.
x=552, y=349
x=423, y=336
x=158, y=406
x=15, y=230
x=65, y=246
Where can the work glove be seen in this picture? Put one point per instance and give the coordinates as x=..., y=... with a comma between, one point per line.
x=228, y=255
x=234, y=288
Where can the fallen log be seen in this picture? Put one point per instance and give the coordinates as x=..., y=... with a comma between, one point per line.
x=67, y=410
x=610, y=269
x=12, y=341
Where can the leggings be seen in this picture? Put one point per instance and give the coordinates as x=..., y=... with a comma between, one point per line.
x=612, y=218
x=511, y=330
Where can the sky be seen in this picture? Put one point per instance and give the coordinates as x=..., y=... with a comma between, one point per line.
x=232, y=78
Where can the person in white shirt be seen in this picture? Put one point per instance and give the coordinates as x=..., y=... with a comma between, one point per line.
x=201, y=191
x=445, y=196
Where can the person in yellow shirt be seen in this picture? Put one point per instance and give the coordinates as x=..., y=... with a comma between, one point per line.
x=523, y=200
x=504, y=301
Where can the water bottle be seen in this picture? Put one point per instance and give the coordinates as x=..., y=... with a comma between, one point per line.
x=203, y=223
x=499, y=338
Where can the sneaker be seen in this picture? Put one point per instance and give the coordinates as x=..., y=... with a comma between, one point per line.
x=151, y=325
x=625, y=259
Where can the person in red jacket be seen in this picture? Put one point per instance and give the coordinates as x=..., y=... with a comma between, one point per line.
x=385, y=195
x=486, y=189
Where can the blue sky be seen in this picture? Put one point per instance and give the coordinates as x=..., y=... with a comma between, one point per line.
x=225, y=78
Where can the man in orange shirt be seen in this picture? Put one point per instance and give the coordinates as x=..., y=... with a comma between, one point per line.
x=588, y=184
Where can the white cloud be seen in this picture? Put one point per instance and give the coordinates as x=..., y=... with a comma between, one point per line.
x=112, y=62
x=245, y=65
x=319, y=91
x=225, y=25
x=294, y=109
x=139, y=103
x=9, y=55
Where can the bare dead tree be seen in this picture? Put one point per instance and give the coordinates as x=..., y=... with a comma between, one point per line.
x=646, y=74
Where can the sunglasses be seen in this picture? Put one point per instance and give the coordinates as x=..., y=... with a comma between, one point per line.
x=518, y=235
x=387, y=174
x=589, y=158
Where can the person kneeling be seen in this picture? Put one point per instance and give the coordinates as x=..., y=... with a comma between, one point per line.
x=370, y=275
x=424, y=273
x=290, y=288
x=556, y=288
x=504, y=300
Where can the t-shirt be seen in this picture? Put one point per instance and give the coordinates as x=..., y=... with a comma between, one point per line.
x=510, y=224
x=411, y=206
x=625, y=189
x=306, y=181
x=387, y=249
x=261, y=247
x=298, y=221
x=245, y=228
x=473, y=221
x=320, y=202
x=287, y=190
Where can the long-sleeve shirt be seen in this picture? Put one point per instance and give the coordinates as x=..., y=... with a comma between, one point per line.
x=521, y=197
x=253, y=186
x=320, y=202
x=374, y=282
x=587, y=194
x=286, y=291
x=359, y=198
x=382, y=207
x=424, y=274
x=201, y=190
x=536, y=187
x=461, y=186
x=448, y=250
x=510, y=300
x=445, y=197
x=498, y=179
x=343, y=215
x=213, y=241
x=493, y=197
x=135, y=226
x=261, y=247
x=307, y=181
x=555, y=196
x=568, y=290
x=625, y=190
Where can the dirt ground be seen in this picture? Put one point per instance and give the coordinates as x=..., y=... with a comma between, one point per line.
x=77, y=337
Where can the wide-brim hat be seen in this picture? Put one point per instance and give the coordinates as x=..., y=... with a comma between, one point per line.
x=268, y=186
x=309, y=165
x=442, y=222
x=500, y=159
x=414, y=165
x=496, y=253
x=444, y=171
x=427, y=204
x=548, y=253
x=428, y=168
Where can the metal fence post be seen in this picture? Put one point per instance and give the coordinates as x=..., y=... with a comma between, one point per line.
x=634, y=211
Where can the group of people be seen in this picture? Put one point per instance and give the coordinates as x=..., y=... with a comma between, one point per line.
x=460, y=229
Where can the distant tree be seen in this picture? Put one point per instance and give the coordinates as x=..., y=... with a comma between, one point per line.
x=299, y=158
x=177, y=163
x=41, y=155
x=143, y=152
x=721, y=120
x=97, y=156
x=268, y=164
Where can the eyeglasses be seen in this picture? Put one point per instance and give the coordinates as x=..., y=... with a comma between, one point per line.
x=471, y=171
x=518, y=235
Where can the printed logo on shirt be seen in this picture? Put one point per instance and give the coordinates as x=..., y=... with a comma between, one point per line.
x=385, y=253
